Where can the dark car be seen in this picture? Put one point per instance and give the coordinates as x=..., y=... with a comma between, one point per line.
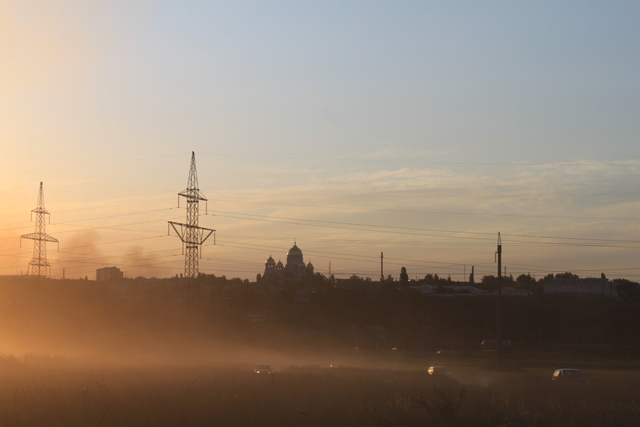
x=567, y=374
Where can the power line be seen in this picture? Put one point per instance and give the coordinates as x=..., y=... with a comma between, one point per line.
x=93, y=165
x=429, y=212
x=401, y=230
x=625, y=163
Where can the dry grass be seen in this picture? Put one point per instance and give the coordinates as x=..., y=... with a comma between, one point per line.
x=42, y=391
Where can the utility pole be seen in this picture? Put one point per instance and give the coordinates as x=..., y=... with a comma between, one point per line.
x=191, y=234
x=498, y=336
x=381, y=267
x=39, y=266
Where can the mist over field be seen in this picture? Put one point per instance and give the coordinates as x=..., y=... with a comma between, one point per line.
x=141, y=322
x=135, y=323
x=131, y=352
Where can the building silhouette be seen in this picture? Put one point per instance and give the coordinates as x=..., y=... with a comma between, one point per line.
x=575, y=286
x=109, y=273
x=294, y=270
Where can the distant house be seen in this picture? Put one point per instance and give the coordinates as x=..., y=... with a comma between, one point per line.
x=514, y=292
x=465, y=289
x=424, y=288
x=458, y=290
x=109, y=273
x=581, y=287
x=306, y=293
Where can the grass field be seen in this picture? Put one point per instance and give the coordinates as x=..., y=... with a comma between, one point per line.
x=47, y=391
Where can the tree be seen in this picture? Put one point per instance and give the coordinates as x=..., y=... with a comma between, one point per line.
x=566, y=275
x=489, y=283
x=628, y=290
x=524, y=279
x=319, y=278
x=547, y=278
x=528, y=282
x=404, y=277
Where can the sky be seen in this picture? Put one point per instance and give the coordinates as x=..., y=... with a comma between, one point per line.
x=419, y=130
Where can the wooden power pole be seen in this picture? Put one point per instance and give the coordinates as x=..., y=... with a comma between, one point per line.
x=498, y=336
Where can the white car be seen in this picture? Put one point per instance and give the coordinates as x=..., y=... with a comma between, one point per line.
x=567, y=374
x=439, y=371
x=262, y=369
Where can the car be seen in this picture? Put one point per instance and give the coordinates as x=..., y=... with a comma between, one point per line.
x=262, y=369
x=569, y=374
x=491, y=345
x=439, y=371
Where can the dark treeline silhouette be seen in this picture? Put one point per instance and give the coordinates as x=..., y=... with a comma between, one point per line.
x=149, y=315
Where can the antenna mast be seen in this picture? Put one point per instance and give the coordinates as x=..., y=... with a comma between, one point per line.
x=191, y=234
x=39, y=266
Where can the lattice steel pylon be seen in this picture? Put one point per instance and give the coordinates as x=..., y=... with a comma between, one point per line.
x=39, y=266
x=191, y=234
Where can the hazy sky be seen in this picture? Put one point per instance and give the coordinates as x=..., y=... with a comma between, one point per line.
x=421, y=129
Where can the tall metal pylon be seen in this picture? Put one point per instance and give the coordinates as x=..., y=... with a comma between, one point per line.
x=192, y=235
x=39, y=266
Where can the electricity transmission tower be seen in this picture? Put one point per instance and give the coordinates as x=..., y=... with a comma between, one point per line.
x=191, y=234
x=39, y=266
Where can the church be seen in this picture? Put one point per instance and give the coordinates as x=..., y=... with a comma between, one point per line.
x=294, y=270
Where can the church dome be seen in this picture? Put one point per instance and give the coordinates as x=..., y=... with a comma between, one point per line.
x=280, y=265
x=294, y=257
x=270, y=262
x=295, y=250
